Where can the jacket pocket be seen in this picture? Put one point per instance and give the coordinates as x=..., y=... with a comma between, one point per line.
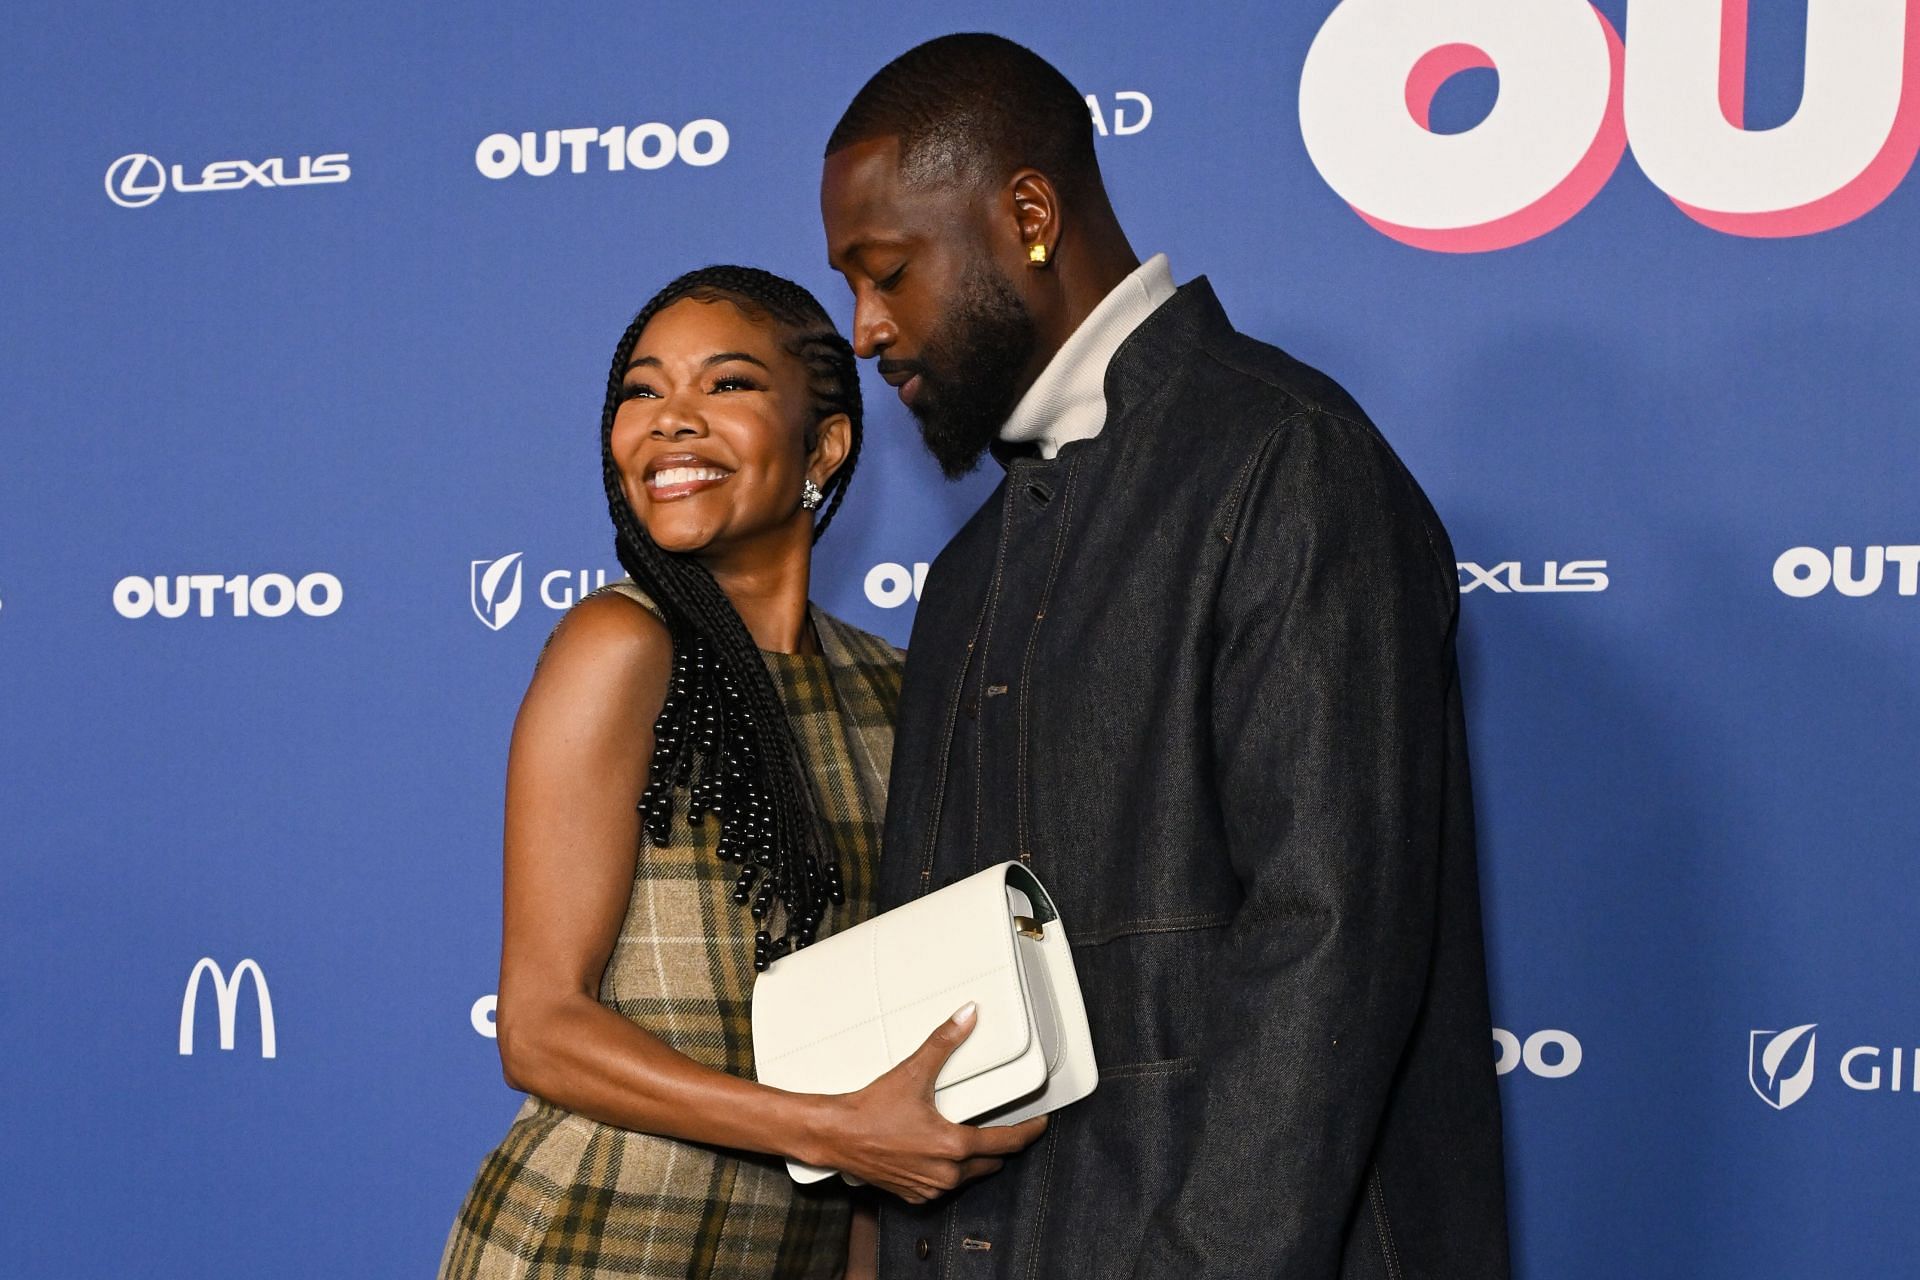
x=1118, y=1156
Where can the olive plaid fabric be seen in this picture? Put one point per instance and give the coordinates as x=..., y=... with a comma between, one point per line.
x=564, y=1197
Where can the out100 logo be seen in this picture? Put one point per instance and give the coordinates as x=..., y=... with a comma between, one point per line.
x=1573, y=95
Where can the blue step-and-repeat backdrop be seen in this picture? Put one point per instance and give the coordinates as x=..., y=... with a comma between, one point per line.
x=308, y=315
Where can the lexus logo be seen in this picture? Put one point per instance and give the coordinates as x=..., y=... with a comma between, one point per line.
x=226, y=992
x=137, y=180
x=1511, y=575
x=128, y=184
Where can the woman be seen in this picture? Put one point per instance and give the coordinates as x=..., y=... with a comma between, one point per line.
x=694, y=788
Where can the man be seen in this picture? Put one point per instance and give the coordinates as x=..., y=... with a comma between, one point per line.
x=1193, y=662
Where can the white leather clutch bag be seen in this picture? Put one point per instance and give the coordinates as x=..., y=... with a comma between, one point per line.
x=836, y=1016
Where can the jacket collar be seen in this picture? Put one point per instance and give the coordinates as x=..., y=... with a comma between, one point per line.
x=1188, y=321
x=1164, y=342
x=1068, y=400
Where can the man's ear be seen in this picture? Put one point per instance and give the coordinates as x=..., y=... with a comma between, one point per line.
x=1036, y=214
x=832, y=440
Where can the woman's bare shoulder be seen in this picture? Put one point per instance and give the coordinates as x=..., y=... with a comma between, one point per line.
x=608, y=653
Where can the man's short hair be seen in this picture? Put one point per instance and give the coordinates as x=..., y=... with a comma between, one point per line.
x=975, y=107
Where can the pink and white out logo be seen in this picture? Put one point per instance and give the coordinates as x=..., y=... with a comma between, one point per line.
x=1573, y=96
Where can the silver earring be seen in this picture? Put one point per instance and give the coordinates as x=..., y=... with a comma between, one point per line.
x=810, y=496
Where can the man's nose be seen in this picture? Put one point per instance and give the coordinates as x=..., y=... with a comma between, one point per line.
x=873, y=329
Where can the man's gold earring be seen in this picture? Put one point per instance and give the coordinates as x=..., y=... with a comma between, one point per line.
x=1037, y=255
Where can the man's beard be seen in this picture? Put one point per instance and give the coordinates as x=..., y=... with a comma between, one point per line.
x=970, y=370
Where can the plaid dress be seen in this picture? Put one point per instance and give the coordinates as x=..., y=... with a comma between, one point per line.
x=564, y=1197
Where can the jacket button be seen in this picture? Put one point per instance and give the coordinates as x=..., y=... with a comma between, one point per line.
x=921, y=1248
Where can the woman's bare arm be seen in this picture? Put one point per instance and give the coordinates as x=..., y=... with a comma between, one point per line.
x=575, y=771
x=579, y=759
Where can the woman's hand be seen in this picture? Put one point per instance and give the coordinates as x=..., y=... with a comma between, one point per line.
x=889, y=1134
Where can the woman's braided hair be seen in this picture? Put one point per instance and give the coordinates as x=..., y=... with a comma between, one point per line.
x=722, y=735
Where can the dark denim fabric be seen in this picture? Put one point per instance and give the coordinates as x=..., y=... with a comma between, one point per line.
x=1199, y=673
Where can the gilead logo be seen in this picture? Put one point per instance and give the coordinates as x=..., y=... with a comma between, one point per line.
x=1852, y=571
x=1573, y=96
x=495, y=587
x=1780, y=1064
x=1860, y=1069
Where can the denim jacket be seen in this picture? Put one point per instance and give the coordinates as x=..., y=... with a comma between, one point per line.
x=1199, y=673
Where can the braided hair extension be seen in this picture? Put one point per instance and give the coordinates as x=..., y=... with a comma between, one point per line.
x=722, y=735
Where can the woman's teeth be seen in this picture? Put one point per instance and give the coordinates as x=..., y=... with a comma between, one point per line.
x=671, y=476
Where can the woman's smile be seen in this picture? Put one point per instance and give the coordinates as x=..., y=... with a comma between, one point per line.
x=681, y=476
